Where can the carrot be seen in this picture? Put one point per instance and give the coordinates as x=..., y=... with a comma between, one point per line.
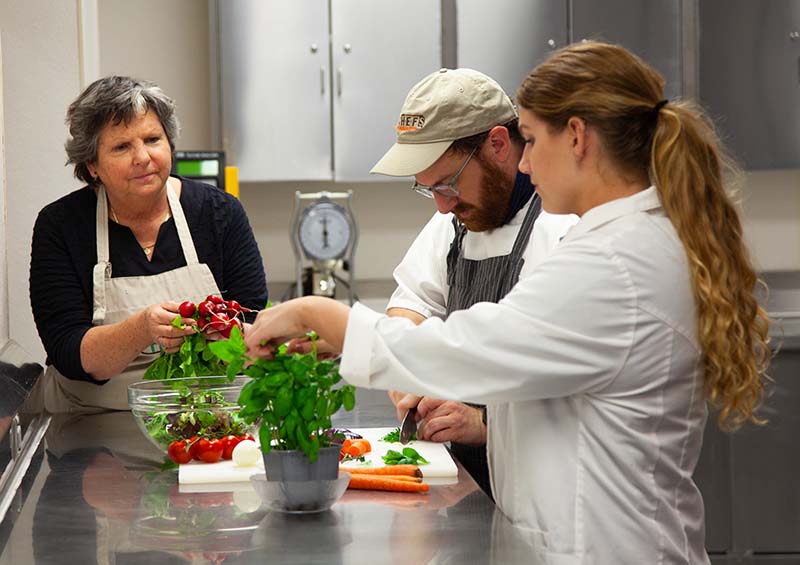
x=405, y=478
x=409, y=470
x=368, y=482
x=346, y=443
x=365, y=444
x=353, y=450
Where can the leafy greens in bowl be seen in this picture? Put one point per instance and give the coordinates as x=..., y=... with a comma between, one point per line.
x=178, y=409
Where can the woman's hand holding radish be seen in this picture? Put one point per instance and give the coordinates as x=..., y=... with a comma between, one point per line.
x=159, y=329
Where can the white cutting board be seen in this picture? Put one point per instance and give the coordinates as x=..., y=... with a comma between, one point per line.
x=221, y=475
x=225, y=472
x=441, y=464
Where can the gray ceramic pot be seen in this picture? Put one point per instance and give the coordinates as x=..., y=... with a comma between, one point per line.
x=293, y=465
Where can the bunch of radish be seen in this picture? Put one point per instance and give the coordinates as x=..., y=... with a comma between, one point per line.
x=215, y=314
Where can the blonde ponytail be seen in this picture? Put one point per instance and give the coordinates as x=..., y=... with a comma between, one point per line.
x=688, y=167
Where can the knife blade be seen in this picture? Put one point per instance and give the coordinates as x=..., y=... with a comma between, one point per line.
x=409, y=425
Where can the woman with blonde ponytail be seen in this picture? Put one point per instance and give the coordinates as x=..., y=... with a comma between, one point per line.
x=596, y=368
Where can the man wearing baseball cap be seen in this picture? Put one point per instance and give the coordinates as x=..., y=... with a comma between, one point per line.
x=457, y=135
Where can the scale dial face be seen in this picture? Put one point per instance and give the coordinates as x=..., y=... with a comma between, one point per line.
x=324, y=231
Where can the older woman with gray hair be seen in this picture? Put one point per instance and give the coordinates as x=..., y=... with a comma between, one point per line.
x=111, y=261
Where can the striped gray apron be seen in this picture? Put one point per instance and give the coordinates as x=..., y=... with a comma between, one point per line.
x=486, y=280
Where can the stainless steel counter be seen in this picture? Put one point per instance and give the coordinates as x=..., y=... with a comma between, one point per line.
x=94, y=494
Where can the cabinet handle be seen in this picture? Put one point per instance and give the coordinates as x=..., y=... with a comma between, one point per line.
x=339, y=81
x=322, y=80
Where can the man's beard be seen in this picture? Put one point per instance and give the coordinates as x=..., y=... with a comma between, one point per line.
x=493, y=202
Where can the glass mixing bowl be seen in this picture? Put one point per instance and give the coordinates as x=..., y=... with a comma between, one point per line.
x=175, y=409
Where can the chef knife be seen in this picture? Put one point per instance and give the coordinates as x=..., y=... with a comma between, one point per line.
x=409, y=425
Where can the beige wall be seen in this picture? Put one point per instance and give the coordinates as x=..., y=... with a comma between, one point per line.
x=40, y=78
x=3, y=217
x=167, y=43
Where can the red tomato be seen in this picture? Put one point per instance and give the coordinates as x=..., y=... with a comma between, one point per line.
x=209, y=450
x=246, y=436
x=193, y=447
x=228, y=443
x=215, y=299
x=178, y=452
x=187, y=309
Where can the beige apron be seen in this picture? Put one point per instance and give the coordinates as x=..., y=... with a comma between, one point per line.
x=116, y=299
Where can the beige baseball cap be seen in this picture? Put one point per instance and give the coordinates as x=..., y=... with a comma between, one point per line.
x=444, y=106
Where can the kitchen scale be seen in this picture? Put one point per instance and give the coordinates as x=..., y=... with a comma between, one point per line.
x=324, y=237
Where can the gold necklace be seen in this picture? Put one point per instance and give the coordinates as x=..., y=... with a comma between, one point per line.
x=148, y=249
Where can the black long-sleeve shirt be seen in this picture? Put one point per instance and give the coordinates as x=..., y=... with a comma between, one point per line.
x=64, y=253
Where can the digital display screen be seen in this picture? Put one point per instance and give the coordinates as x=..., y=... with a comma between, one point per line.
x=198, y=168
x=205, y=166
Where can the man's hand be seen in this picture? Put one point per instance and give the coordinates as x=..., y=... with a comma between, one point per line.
x=446, y=420
x=403, y=402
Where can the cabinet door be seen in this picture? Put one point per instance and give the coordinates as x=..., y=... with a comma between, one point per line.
x=650, y=29
x=506, y=39
x=274, y=60
x=381, y=48
x=750, y=78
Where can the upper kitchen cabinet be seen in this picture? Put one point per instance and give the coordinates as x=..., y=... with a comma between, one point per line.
x=651, y=29
x=505, y=39
x=750, y=78
x=312, y=90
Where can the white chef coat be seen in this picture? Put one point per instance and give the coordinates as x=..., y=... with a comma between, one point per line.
x=422, y=275
x=591, y=371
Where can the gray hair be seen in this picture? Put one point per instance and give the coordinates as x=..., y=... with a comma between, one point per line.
x=112, y=99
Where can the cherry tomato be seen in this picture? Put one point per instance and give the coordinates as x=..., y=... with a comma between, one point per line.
x=178, y=452
x=246, y=436
x=193, y=447
x=228, y=443
x=215, y=299
x=187, y=309
x=209, y=450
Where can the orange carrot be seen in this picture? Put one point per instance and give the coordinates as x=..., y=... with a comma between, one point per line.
x=369, y=482
x=409, y=470
x=353, y=450
x=365, y=443
x=405, y=478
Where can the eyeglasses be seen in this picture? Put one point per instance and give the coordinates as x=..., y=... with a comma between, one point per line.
x=444, y=189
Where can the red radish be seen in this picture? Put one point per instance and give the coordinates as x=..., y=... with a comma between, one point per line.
x=219, y=321
x=226, y=331
x=205, y=309
x=187, y=309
